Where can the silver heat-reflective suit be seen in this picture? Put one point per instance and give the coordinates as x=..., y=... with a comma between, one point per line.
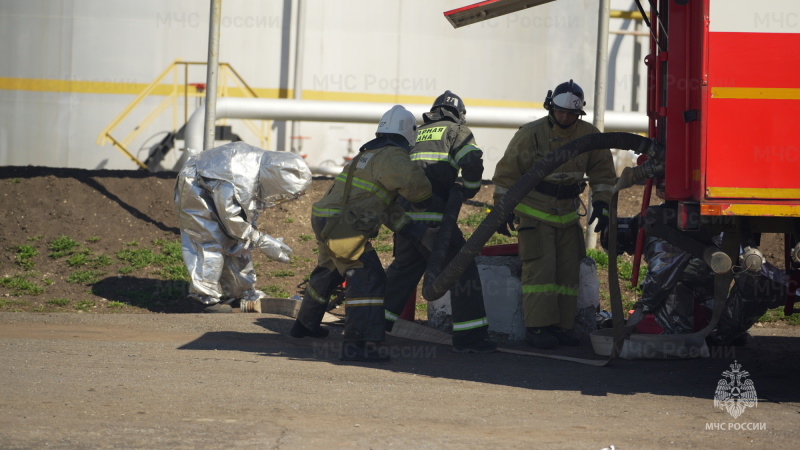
x=219, y=194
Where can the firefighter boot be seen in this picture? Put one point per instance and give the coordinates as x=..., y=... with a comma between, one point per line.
x=540, y=337
x=300, y=331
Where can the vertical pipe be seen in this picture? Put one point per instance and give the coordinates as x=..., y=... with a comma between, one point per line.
x=212, y=72
x=600, y=82
x=298, y=74
x=637, y=58
x=185, y=93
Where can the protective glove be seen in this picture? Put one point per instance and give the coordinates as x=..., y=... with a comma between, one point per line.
x=429, y=238
x=274, y=248
x=506, y=228
x=599, y=212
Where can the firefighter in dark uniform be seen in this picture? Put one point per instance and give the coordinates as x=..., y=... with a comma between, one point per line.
x=445, y=146
x=382, y=171
x=551, y=244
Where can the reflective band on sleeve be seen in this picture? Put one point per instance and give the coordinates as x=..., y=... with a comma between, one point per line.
x=388, y=315
x=472, y=184
x=423, y=216
x=434, y=156
x=401, y=223
x=528, y=211
x=470, y=325
x=324, y=212
x=548, y=288
x=464, y=151
x=367, y=186
x=430, y=134
x=364, y=302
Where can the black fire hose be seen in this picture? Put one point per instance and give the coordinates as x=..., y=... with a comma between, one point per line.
x=437, y=281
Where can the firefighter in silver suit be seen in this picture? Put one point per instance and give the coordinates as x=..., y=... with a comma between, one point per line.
x=219, y=194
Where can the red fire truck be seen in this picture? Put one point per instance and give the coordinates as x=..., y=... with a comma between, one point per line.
x=723, y=100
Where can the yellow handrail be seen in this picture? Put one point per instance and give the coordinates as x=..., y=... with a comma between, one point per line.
x=172, y=99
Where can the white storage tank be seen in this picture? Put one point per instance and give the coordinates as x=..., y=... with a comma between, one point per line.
x=70, y=67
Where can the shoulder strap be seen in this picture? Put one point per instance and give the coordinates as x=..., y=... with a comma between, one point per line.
x=349, y=181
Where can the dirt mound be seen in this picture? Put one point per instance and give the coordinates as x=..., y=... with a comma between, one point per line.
x=104, y=241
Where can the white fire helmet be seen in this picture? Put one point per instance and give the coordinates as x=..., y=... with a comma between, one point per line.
x=399, y=120
x=566, y=97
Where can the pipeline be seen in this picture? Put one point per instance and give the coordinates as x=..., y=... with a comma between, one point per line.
x=437, y=281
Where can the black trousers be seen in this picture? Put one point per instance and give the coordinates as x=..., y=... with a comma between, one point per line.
x=364, y=292
x=466, y=296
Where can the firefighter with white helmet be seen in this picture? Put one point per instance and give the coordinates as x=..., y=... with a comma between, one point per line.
x=445, y=146
x=219, y=194
x=551, y=244
x=377, y=175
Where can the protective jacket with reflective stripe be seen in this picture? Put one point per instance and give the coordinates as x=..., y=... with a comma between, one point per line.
x=381, y=174
x=444, y=148
x=531, y=143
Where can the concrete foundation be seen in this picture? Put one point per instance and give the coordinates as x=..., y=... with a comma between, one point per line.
x=500, y=281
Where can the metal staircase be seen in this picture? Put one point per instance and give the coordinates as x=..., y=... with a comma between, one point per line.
x=176, y=93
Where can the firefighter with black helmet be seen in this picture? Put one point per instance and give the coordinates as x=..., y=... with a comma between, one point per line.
x=551, y=244
x=360, y=200
x=445, y=146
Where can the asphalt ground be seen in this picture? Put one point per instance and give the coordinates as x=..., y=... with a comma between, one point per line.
x=238, y=381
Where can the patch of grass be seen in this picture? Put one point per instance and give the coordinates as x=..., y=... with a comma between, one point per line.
x=58, y=301
x=80, y=258
x=15, y=181
x=273, y=290
x=472, y=220
x=84, y=305
x=20, y=285
x=125, y=270
x=93, y=239
x=100, y=261
x=84, y=276
x=380, y=247
x=282, y=273
x=62, y=246
x=38, y=237
x=499, y=239
x=24, y=256
x=137, y=258
x=306, y=237
x=174, y=272
x=600, y=257
x=776, y=315
x=172, y=251
x=116, y=305
x=132, y=244
x=384, y=234
x=289, y=220
x=421, y=306
x=14, y=304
